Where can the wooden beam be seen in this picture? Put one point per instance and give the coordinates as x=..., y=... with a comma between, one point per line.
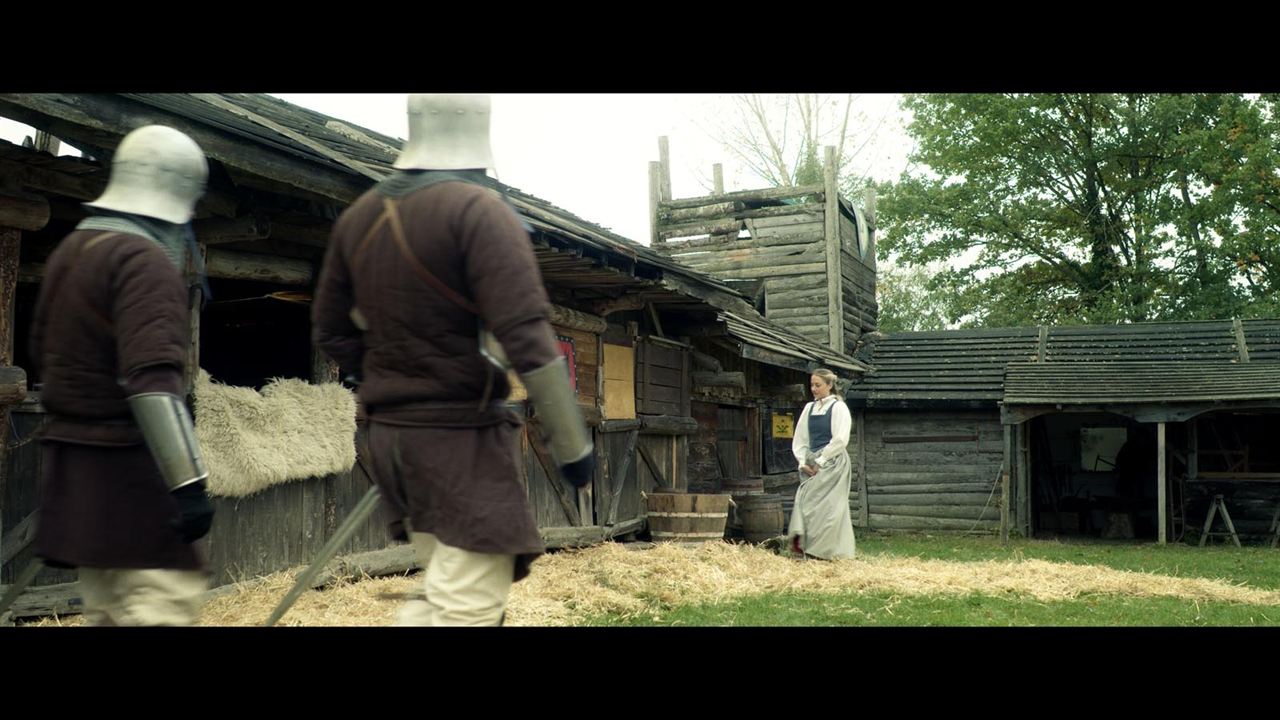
x=219, y=231
x=577, y=320
x=720, y=379
x=897, y=522
x=192, y=368
x=722, y=243
x=719, y=297
x=860, y=423
x=626, y=527
x=709, y=227
x=717, y=182
x=657, y=474
x=587, y=502
x=231, y=265
x=780, y=216
x=23, y=211
x=1161, y=490
x=377, y=563
x=1005, y=474
x=89, y=186
x=604, y=308
x=102, y=120
x=715, y=210
x=657, y=324
x=655, y=197
x=890, y=439
x=18, y=538
x=664, y=159
x=53, y=182
x=1241, y=343
x=552, y=472
x=746, y=196
x=668, y=425
x=752, y=352
x=695, y=329
x=312, y=235
x=1022, y=440
x=835, y=294
x=617, y=426
x=10, y=247
x=62, y=599
x=227, y=265
x=1193, y=449
x=770, y=273
x=568, y=537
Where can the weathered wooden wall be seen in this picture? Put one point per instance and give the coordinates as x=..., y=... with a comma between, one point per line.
x=786, y=248
x=858, y=281
x=662, y=378
x=933, y=470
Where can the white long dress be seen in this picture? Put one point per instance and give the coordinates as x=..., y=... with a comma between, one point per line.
x=821, y=514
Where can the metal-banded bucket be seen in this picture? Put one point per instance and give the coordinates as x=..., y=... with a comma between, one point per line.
x=686, y=517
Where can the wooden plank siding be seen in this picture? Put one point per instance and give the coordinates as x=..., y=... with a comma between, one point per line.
x=787, y=250
x=933, y=470
x=662, y=379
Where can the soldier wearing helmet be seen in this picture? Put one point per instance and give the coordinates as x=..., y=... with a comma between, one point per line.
x=429, y=292
x=122, y=495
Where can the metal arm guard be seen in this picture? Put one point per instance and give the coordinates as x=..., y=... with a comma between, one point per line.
x=553, y=400
x=171, y=437
x=492, y=350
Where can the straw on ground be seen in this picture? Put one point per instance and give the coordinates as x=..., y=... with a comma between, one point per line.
x=569, y=587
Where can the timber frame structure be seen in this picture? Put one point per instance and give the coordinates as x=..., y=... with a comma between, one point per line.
x=1022, y=429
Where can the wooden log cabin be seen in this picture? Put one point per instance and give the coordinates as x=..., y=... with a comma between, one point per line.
x=1025, y=430
x=663, y=354
x=811, y=251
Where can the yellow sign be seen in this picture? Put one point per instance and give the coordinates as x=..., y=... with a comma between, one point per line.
x=782, y=426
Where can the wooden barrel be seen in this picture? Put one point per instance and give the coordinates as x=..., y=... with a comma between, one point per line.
x=761, y=516
x=686, y=517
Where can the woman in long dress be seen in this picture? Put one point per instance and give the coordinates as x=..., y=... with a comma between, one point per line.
x=821, y=525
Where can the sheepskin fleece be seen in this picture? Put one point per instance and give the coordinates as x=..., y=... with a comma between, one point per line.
x=291, y=430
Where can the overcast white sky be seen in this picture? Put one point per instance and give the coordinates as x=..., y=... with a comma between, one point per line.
x=589, y=153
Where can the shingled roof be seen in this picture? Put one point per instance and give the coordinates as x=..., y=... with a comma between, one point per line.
x=1097, y=362
x=1164, y=381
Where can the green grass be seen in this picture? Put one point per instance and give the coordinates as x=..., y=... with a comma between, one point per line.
x=880, y=610
x=1257, y=567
